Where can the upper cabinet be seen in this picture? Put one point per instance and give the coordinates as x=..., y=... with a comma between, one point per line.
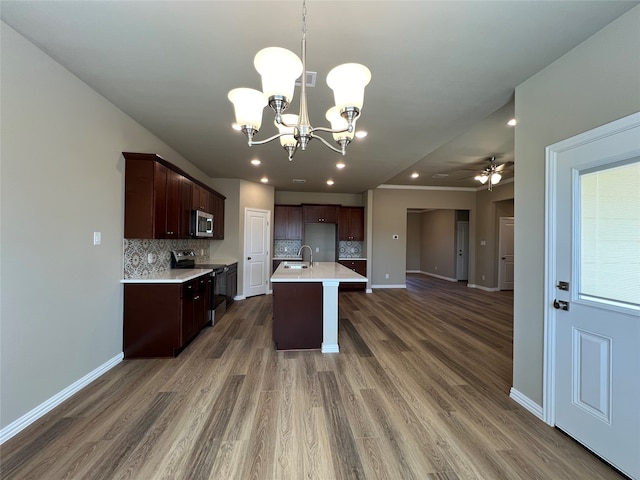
x=216, y=203
x=159, y=199
x=320, y=213
x=351, y=224
x=287, y=222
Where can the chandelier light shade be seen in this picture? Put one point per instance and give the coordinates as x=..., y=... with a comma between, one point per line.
x=495, y=178
x=248, y=105
x=482, y=178
x=279, y=69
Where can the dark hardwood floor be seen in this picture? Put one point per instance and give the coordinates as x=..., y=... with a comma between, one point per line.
x=419, y=390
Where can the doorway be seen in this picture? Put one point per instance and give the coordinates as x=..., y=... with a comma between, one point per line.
x=505, y=253
x=256, y=251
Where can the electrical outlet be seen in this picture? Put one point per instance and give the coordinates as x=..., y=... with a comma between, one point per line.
x=436, y=267
x=317, y=249
x=386, y=275
x=285, y=249
x=483, y=277
x=151, y=258
x=202, y=251
x=97, y=238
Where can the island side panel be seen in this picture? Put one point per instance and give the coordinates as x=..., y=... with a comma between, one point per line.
x=297, y=315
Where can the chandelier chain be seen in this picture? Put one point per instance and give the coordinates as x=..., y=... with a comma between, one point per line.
x=304, y=17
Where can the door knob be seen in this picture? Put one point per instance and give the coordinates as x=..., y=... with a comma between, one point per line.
x=561, y=305
x=248, y=258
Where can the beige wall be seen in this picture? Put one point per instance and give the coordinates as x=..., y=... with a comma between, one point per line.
x=490, y=206
x=438, y=247
x=594, y=84
x=62, y=179
x=296, y=198
x=389, y=217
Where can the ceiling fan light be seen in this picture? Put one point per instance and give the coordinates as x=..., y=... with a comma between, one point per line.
x=495, y=178
x=482, y=178
x=347, y=82
x=248, y=105
x=279, y=69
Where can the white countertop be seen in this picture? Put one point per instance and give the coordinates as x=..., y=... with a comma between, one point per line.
x=319, y=272
x=175, y=275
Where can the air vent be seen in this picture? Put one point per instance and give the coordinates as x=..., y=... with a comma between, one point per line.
x=441, y=175
x=299, y=180
x=311, y=79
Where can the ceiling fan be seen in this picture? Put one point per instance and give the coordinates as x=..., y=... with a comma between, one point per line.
x=493, y=172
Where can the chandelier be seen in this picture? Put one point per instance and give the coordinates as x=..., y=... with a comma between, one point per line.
x=279, y=69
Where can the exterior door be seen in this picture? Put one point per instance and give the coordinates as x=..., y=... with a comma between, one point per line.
x=505, y=248
x=256, y=248
x=462, y=251
x=595, y=313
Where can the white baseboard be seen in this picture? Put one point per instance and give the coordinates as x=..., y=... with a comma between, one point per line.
x=480, y=287
x=28, y=418
x=449, y=279
x=389, y=286
x=330, y=348
x=527, y=403
x=414, y=271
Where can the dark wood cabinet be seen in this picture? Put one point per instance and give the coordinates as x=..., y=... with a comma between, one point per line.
x=200, y=198
x=320, y=213
x=358, y=266
x=161, y=318
x=351, y=224
x=232, y=283
x=152, y=201
x=216, y=203
x=297, y=315
x=287, y=222
x=159, y=198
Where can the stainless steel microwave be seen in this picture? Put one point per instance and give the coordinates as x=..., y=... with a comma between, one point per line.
x=201, y=224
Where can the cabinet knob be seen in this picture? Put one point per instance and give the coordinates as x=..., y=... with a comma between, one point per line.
x=197, y=297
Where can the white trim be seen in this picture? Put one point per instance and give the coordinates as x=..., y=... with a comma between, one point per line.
x=482, y=287
x=389, y=286
x=526, y=402
x=330, y=348
x=549, y=313
x=413, y=271
x=28, y=418
x=441, y=277
x=426, y=187
x=368, y=290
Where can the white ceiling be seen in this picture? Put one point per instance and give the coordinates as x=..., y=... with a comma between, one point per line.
x=443, y=75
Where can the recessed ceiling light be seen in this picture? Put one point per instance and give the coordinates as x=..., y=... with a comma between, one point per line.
x=329, y=182
x=512, y=123
x=255, y=161
x=361, y=133
x=264, y=180
x=341, y=165
x=415, y=175
x=235, y=126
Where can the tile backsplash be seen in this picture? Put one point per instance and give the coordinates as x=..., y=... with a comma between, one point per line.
x=137, y=251
x=286, y=248
x=290, y=248
x=350, y=249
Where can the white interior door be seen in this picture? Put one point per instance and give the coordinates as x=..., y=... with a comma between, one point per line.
x=256, y=248
x=505, y=253
x=462, y=246
x=596, y=314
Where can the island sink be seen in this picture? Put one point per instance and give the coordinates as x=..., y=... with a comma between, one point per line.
x=296, y=265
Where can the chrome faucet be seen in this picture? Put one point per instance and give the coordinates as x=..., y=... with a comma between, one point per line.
x=310, y=254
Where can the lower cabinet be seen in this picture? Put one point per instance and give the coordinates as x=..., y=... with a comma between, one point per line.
x=161, y=318
x=232, y=283
x=358, y=266
x=297, y=315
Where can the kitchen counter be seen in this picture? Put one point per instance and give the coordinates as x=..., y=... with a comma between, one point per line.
x=175, y=275
x=306, y=300
x=318, y=272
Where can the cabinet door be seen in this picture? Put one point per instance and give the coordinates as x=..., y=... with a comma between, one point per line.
x=173, y=208
x=320, y=213
x=200, y=198
x=187, y=327
x=160, y=201
x=280, y=219
x=185, y=206
x=351, y=224
x=217, y=209
x=294, y=223
x=358, y=266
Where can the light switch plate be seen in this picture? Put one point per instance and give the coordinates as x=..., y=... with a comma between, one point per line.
x=97, y=238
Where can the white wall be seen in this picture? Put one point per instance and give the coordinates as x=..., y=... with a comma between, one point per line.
x=62, y=178
x=594, y=84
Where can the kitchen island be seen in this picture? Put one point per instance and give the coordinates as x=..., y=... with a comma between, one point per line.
x=305, y=304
